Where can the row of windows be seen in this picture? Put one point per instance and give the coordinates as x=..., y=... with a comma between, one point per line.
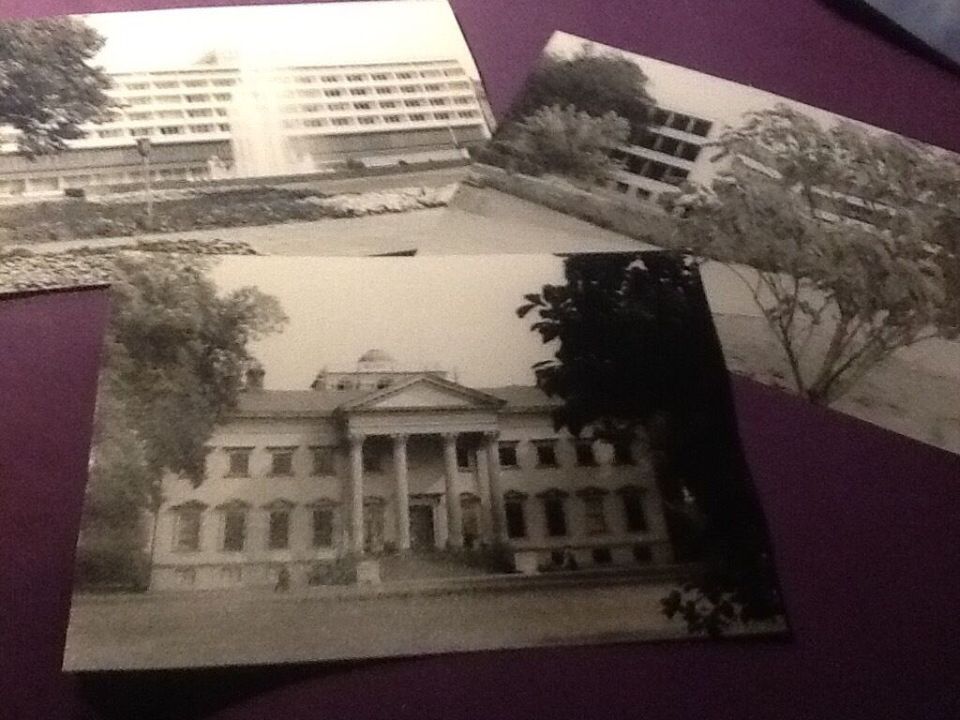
x=681, y=122
x=654, y=169
x=323, y=457
x=377, y=119
x=172, y=84
x=381, y=105
x=378, y=76
x=171, y=130
x=669, y=146
x=189, y=520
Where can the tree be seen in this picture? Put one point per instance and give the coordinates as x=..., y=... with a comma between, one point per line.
x=594, y=83
x=175, y=353
x=48, y=88
x=566, y=141
x=636, y=351
x=845, y=237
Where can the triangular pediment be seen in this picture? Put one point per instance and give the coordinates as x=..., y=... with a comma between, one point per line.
x=424, y=392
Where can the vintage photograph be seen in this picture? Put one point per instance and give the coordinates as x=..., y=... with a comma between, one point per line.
x=302, y=459
x=829, y=249
x=329, y=128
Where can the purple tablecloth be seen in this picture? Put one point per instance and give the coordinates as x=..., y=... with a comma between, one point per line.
x=865, y=523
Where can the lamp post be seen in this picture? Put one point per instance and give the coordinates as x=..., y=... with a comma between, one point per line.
x=143, y=147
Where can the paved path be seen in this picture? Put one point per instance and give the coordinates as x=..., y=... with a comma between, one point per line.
x=247, y=627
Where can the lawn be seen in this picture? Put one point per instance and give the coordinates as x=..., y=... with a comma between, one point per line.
x=236, y=627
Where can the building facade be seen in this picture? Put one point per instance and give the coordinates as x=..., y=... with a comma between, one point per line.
x=376, y=461
x=670, y=152
x=212, y=121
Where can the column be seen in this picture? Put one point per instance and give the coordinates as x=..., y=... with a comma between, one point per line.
x=403, y=492
x=482, y=479
x=356, y=494
x=498, y=521
x=454, y=510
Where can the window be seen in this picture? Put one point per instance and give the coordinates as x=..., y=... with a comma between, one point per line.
x=279, y=537
x=362, y=105
x=642, y=554
x=371, y=460
x=507, y=451
x=187, y=532
x=463, y=457
x=668, y=145
x=623, y=453
x=621, y=187
x=195, y=83
x=418, y=117
x=660, y=117
x=141, y=132
x=516, y=519
x=197, y=98
x=634, y=515
x=404, y=75
x=467, y=113
x=431, y=87
x=358, y=91
x=462, y=100
x=453, y=71
x=387, y=105
x=460, y=85
x=354, y=78
x=438, y=101
x=201, y=128
x=329, y=78
x=322, y=527
x=166, y=84
x=323, y=461
x=413, y=103
x=584, y=450
x=679, y=121
x=441, y=116
x=171, y=130
x=199, y=113
x=408, y=89
x=689, y=151
x=546, y=453
x=384, y=90
x=239, y=462
x=234, y=529
x=310, y=108
x=595, y=518
x=138, y=86
x=555, y=513
x=137, y=101
x=333, y=92
x=281, y=461
x=601, y=556
x=224, y=82
x=368, y=120
x=223, y=127
x=391, y=118
x=341, y=121
x=379, y=76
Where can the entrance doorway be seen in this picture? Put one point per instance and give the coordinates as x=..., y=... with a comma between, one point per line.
x=422, y=536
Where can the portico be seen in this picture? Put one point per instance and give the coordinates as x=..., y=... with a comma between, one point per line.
x=460, y=421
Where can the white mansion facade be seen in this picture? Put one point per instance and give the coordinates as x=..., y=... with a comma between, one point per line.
x=377, y=461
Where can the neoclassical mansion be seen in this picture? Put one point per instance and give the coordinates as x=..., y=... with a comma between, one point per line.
x=378, y=461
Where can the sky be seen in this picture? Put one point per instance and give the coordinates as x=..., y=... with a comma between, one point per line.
x=453, y=313
x=321, y=33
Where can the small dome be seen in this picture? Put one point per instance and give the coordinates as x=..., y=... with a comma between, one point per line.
x=376, y=356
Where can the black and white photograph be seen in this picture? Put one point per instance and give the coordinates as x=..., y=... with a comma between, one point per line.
x=829, y=249
x=327, y=128
x=300, y=459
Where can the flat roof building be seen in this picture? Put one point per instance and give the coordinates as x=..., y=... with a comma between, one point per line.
x=379, y=462
x=214, y=122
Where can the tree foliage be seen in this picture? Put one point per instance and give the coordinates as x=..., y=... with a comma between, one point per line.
x=565, y=141
x=636, y=352
x=175, y=353
x=845, y=237
x=48, y=88
x=594, y=83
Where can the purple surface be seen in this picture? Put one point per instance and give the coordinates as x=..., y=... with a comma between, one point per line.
x=865, y=523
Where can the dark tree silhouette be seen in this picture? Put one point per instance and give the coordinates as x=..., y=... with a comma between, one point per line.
x=48, y=88
x=636, y=351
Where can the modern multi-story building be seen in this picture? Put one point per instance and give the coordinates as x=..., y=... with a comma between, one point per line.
x=670, y=152
x=377, y=461
x=214, y=121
